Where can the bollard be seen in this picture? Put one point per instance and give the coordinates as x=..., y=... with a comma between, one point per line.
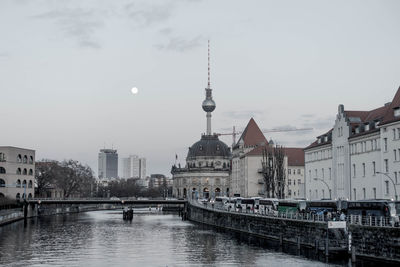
x=353, y=254
x=298, y=245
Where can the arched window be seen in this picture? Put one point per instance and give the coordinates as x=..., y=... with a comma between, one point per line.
x=224, y=165
x=2, y=195
x=30, y=184
x=2, y=170
x=2, y=157
x=19, y=158
x=30, y=172
x=2, y=183
x=18, y=183
x=25, y=172
x=30, y=160
x=25, y=159
x=24, y=184
x=30, y=195
x=18, y=196
x=23, y=196
x=18, y=171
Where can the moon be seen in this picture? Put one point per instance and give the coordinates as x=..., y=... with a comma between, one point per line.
x=134, y=90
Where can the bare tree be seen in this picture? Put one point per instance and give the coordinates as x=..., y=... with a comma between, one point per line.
x=273, y=170
x=46, y=174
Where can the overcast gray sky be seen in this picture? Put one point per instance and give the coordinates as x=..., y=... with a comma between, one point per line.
x=67, y=67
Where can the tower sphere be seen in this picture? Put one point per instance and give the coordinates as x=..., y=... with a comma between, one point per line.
x=208, y=105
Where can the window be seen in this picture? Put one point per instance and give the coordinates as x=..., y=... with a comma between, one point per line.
x=2, y=157
x=2, y=170
x=30, y=172
x=316, y=193
x=354, y=170
x=25, y=172
x=363, y=165
x=398, y=132
x=298, y=171
x=2, y=183
x=290, y=182
x=323, y=173
x=19, y=158
x=290, y=171
x=289, y=192
x=355, y=194
x=294, y=181
x=24, y=184
x=374, y=192
x=373, y=168
x=30, y=160
x=395, y=154
x=298, y=181
x=18, y=183
x=18, y=171
x=30, y=184
x=395, y=177
x=386, y=165
x=387, y=187
x=323, y=193
x=25, y=159
x=316, y=173
x=330, y=173
x=394, y=134
x=18, y=196
x=385, y=144
x=309, y=172
x=364, y=194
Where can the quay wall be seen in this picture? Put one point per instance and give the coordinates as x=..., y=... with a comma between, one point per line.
x=378, y=242
x=305, y=233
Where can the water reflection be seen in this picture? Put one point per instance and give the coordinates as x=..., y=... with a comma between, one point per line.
x=104, y=239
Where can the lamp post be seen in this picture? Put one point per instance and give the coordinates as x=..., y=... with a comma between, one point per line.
x=394, y=185
x=329, y=189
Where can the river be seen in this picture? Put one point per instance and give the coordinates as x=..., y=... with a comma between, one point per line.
x=102, y=238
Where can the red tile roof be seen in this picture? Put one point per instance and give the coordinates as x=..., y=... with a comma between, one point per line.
x=389, y=115
x=252, y=135
x=295, y=156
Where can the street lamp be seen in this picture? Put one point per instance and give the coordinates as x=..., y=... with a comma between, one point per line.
x=394, y=185
x=329, y=189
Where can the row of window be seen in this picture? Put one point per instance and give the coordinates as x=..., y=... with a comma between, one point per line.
x=364, y=193
x=329, y=174
x=294, y=181
x=319, y=155
x=294, y=193
x=18, y=184
x=19, y=171
x=366, y=146
x=363, y=167
x=396, y=133
x=24, y=159
x=294, y=171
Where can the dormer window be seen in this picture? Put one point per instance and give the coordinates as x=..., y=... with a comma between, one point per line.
x=217, y=147
x=319, y=140
x=201, y=148
x=325, y=138
x=397, y=112
x=357, y=129
x=366, y=127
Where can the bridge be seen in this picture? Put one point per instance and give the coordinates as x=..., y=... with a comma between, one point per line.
x=30, y=206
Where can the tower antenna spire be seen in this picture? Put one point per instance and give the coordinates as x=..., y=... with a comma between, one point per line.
x=209, y=64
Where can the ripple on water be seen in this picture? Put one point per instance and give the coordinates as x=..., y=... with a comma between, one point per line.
x=104, y=239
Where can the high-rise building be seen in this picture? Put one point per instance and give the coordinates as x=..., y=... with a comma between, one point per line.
x=108, y=163
x=134, y=167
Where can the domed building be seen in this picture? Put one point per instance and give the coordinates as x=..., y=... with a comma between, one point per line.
x=208, y=163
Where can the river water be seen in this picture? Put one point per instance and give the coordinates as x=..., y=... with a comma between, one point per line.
x=102, y=238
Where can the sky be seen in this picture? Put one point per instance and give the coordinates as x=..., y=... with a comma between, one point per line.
x=67, y=69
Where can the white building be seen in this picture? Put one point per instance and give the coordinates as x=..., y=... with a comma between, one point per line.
x=17, y=172
x=359, y=158
x=134, y=167
x=246, y=177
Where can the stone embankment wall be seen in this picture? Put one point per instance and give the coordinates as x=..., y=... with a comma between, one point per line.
x=379, y=242
x=9, y=216
x=305, y=233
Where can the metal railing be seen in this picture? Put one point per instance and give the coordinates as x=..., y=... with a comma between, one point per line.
x=377, y=221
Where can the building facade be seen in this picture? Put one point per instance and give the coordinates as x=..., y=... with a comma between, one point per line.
x=17, y=172
x=247, y=179
x=359, y=158
x=134, y=167
x=108, y=164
